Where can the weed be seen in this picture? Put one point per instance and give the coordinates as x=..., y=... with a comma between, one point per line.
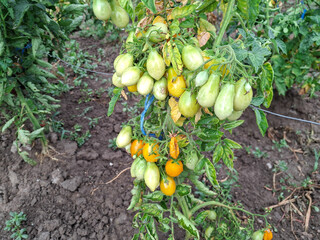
x=14, y=225
x=112, y=144
x=257, y=152
x=281, y=144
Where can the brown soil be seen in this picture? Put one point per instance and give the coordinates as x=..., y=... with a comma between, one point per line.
x=65, y=197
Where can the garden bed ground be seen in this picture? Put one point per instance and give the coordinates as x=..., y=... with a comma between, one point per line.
x=64, y=197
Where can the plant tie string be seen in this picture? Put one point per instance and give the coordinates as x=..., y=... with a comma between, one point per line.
x=283, y=116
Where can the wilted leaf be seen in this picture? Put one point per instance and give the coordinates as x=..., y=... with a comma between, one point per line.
x=176, y=60
x=203, y=38
x=207, y=111
x=124, y=95
x=206, y=26
x=167, y=48
x=159, y=6
x=198, y=116
x=181, y=12
x=175, y=113
x=180, y=121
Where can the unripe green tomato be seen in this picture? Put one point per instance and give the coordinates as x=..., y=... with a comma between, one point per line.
x=145, y=84
x=140, y=168
x=235, y=115
x=191, y=160
x=201, y=78
x=191, y=57
x=116, y=81
x=127, y=148
x=152, y=176
x=117, y=60
x=160, y=90
x=123, y=63
x=124, y=137
x=208, y=232
x=208, y=93
x=212, y=215
x=155, y=65
x=188, y=78
x=243, y=95
x=258, y=235
x=119, y=17
x=130, y=76
x=188, y=105
x=101, y=9
x=157, y=32
x=223, y=106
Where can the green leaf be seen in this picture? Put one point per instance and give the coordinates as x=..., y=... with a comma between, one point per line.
x=261, y=121
x=257, y=56
x=201, y=186
x=181, y=12
x=140, y=11
x=76, y=9
x=228, y=156
x=135, y=196
x=114, y=99
x=249, y=9
x=8, y=124
x=208, y=6
x=26, y=158
x=211, y=135
x=257, y=101
x=183, y=189
x=211, y=173
x=151, y=5
x=201, y=217
x=174, y=27
x=266, y=84
x=232, y=144
x=152, y=209
x=281, y=45
x=152, y=230
x=186, y=224
x=20, y=8
x=23, y=136
x=233, y=124
x=35, y=70
x=36, y=133
x=217, y=155
x=155, y=196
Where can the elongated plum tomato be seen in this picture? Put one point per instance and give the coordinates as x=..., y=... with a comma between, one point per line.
x=173, y=169
x=243, y=95
x=117, y=60
x=235, y=115
x=208, y=232
x=101, y=9
x=208, y=93
x=257, y=235
x=124, y=137
x=155, y=65
x=188, y=105
x=138, y=168
x=174, y=148
x=151, y=152
x=168, y=186
x=130, y=76
x=191, y=160
x=132, y=88
x=176, y=84
x=160, y=90
x=201, y=78
x=119, y=16
x=145, y=84
x=191, y=57
x=157, y=32
x=267, y=235
x=152, y=176
x=136, y=147
x=123, y=63
x=223, y=106
x=116, y=81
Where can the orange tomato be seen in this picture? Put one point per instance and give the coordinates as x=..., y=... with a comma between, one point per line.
x=174, y=148
x=132, y=88
x=168, y=186
x=136, y=147
x=173, y=169
x=151, y=152
x=176, y=84
x=267, y=235
x=222, y=68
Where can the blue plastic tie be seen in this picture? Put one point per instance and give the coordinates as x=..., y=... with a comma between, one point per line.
x=304, y=11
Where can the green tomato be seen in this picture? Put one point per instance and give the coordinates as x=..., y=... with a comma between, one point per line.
x=223, y=106
x=191, y=160
x=119, y=16
x=116, y=81
x=188, y=78
x=208, y=93
x=155, y=65
x=138, y=168
x=208, y=232
x=152, y=176
x=243, y=95
x=145, y=84
x=157, y=32
x=212, y=215
x=130, y=76
x=258, y=235
x=160, y=90
x=123, y=63
x=124, y=137
x=191, y=57
x=117, y=60
x=188, y=105
x=235, y=115
x=201, y=78
x=101, y=9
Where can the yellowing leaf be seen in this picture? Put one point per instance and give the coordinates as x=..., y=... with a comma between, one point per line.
x=203, y=38
x=206, y=26
x=175, y=113
x=180, y=121
x=176, y=60
x=206, y=110
x=124, y=95
x=167, y=48
x=198, y=116
x=181, y=12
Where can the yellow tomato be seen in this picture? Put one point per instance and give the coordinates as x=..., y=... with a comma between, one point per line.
x=168, y=186
x=222, y=68
x=132, y=88
x=176, y=84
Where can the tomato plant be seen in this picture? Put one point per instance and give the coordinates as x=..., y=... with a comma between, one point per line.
x=196, y=84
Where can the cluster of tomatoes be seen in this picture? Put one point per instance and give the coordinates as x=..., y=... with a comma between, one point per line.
x=146, y=156
x=103, y=10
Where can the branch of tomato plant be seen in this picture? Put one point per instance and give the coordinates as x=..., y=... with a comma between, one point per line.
x=225, y=22
x=241, y=22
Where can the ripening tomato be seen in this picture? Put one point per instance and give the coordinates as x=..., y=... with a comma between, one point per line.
x=160, y=89
x=176, y=84
x=168, y=186
x=267, y=235
x=188, y=105
x=152, y=176
x=191, y=57
x=101, y=9
x=136, y=147
x=132, y=88
x=159, y=19
x=243, y=95
x=173, y=169
x=257, y=235
x=223, y=106
x=174, y=148
x=151, y=152
x=124, y=137
x=119, y=16
x=155, y=65
x=218, y=66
